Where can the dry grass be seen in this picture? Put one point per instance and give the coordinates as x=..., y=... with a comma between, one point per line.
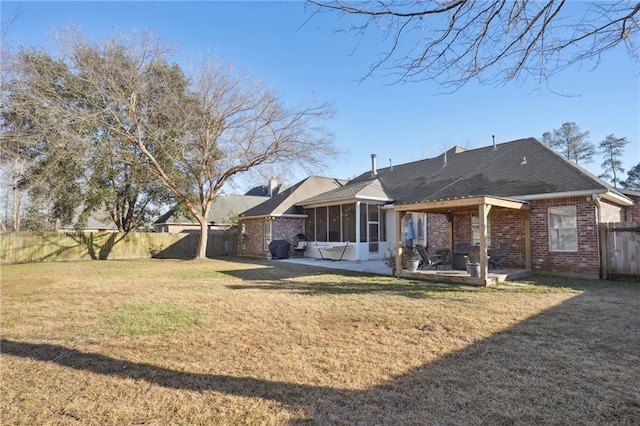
x=220, y=342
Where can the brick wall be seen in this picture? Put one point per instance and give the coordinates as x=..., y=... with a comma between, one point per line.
x=251, y=244
x=282, y=228
x=611, y=213
x=437, y=232
x=633, y=213
x=586, y=261
x=507, y=226
x=462, y=228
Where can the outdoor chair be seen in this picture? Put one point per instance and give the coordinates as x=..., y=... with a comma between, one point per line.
x=496, y=259
x=431, y=261
x=301, y=245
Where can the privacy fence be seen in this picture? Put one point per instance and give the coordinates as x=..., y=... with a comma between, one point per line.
x=620, y=248
x=42, y=247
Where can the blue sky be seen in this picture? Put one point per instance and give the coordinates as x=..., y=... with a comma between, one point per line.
x=276, y=43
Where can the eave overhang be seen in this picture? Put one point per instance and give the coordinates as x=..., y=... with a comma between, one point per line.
x=453, y=204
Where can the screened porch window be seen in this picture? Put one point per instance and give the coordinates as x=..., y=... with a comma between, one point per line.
x=349, y=222
x=321, y=224
x=338, y=223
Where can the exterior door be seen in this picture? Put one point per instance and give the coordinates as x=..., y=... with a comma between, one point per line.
x=373, y=237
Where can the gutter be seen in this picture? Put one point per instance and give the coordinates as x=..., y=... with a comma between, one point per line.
x=345, y=200
x=619, y=199
x=262, y=216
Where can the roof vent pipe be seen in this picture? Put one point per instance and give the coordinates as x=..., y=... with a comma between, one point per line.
x=390, y=164
x=374, y=171
x=445, y=159
x=494, y=142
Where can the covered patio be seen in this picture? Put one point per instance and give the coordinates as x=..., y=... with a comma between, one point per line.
x=481, y=205
x=378, y=267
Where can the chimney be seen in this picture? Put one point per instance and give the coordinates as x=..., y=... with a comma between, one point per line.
x=494, y=142
x=445, y=159
x=374, y=171
x=390, y=164
x=273, y=184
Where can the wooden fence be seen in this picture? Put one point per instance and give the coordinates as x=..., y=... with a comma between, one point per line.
x=620, y=249
x=26, y=247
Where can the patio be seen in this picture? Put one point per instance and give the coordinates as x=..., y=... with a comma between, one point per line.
x=447, y=276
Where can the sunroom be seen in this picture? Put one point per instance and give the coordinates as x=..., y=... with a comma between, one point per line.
x=348, y=223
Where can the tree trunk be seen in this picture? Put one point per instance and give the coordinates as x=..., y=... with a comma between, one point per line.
x=17, y=202
x=204, y=237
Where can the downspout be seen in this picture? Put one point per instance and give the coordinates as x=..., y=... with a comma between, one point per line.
x=602, y=251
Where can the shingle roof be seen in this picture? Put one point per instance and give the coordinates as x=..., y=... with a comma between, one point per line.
x=518, y=168
x=221, y=210
x=369, y=189
x=285, y=202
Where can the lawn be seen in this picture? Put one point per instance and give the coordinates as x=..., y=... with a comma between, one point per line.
x=257, y=342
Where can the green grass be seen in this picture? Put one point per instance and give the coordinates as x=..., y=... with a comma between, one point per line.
x=150, y=319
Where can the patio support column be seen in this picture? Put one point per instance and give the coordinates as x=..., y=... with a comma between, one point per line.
x=399, y=218
x=483, y=215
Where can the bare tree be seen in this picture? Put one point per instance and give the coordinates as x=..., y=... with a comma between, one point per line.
x=455, y=41
x=126, y=104
x=570, y=142
x=612, y=148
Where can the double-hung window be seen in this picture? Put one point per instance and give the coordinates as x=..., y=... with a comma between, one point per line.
x=563, y=229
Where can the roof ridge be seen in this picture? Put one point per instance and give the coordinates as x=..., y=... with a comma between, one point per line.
x=482, y=165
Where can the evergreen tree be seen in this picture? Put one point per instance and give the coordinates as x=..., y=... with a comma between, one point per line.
x=612, y=148
x=633, y=179
x=569, y=141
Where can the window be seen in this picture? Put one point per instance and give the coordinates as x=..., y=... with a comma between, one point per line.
x=267, y=234
x=475, y=230
x=321, y=224
x=349, y=222
x=334, y=223
x=363, y=222
x=310, y=225
x=563, y=230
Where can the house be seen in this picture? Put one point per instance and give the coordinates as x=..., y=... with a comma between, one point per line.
x=633, y=214
x=521, y=193
x=280, y=217
x=96, y=222
x=221, y=215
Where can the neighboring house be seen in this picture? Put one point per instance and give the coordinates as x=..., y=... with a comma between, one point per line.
x=521, y=193
x=633, y=214
x=279, y=217
x=271, y=189
x=95, y=223
x=222, y=211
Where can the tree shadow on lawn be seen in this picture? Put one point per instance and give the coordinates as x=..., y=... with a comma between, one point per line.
x=304, y=279
x=575, y=363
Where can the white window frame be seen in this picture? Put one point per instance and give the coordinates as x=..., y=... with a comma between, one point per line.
x=560, y=228
x=267, y=234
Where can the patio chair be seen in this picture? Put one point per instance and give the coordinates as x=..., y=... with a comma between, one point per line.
x=301, y=245
x=431, y=261
x=498, y=256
